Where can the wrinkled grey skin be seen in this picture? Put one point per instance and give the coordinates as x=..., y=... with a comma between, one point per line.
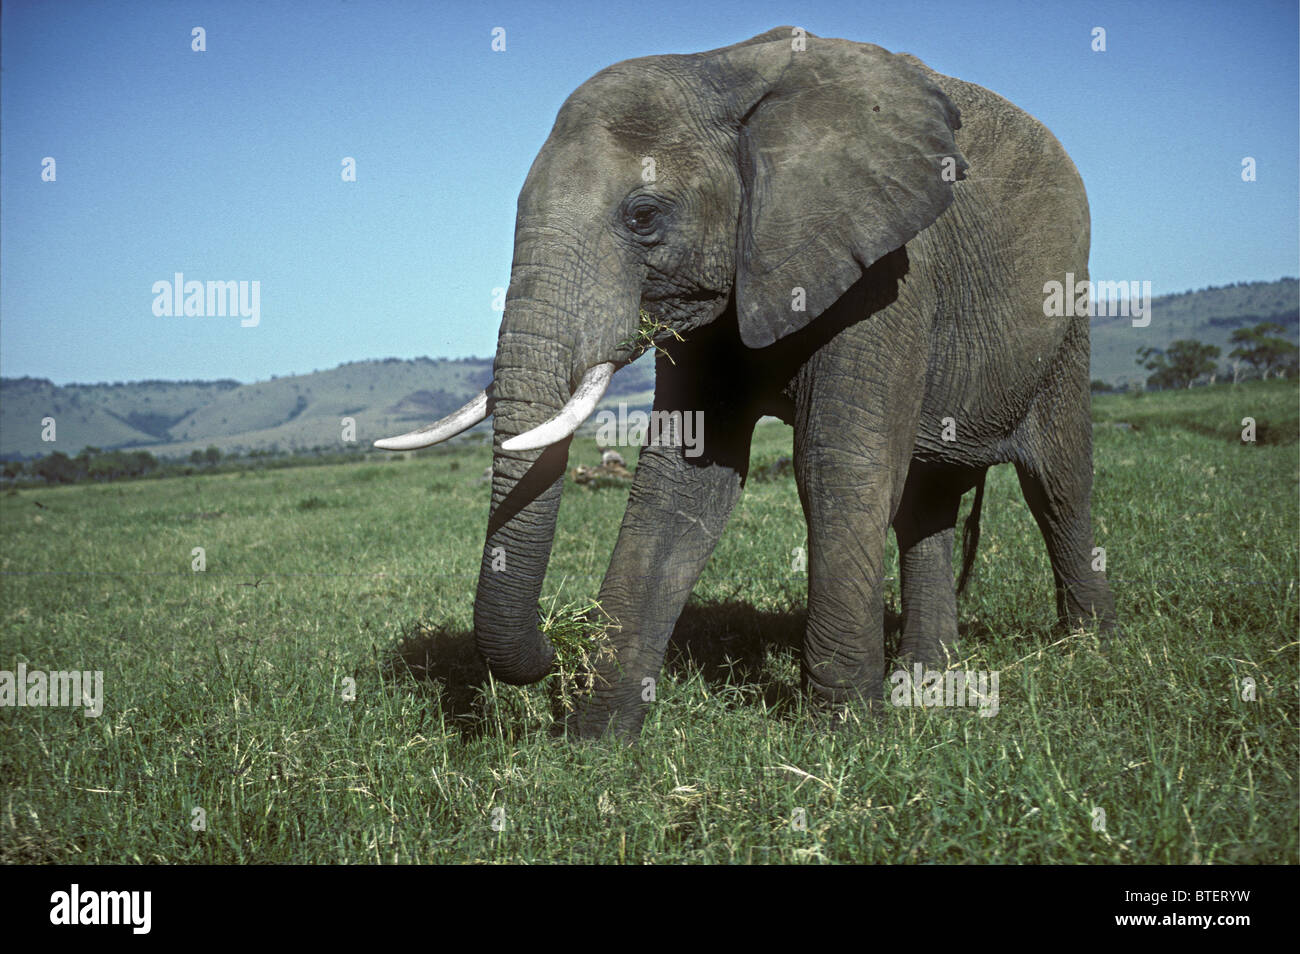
x=776, y=169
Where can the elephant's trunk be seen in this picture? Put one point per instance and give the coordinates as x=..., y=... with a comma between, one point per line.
x=533, y=384
x=559, y=343
x=521, y=528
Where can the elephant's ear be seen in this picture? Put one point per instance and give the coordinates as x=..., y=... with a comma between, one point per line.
x=845, y=153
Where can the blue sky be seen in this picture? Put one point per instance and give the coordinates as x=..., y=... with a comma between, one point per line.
x=225, y=164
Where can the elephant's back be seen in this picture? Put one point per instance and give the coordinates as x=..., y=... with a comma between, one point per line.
x=1021, y=168
x=1018, y=220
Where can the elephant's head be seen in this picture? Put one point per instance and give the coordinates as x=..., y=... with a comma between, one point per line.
x=678, y=185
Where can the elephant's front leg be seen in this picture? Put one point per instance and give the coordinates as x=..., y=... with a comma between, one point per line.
x=847, y=503
x=676, y=512
x=854, y=432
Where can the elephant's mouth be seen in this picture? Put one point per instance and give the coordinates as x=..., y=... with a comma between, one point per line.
x=570, y=417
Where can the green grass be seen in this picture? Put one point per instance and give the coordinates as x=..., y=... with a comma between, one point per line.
x=227, y=690
x=1214, y=412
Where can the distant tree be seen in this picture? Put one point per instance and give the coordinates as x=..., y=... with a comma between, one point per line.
x=143, y=462
x=1153, y=359
x=1290, y=365
x=1263, y=348
x=1186, y=361
x=1190, y=360
x=1100, y=387
x=106, y=467
x=212, y=454
x=13, y=468
x=57, y=468
x=196, y=456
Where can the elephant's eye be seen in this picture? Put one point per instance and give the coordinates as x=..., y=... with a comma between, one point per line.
x=642, y=217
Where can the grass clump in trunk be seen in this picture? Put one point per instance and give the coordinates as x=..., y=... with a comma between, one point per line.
x=579, y=631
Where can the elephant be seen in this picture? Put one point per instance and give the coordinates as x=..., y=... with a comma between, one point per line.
x=819, y=230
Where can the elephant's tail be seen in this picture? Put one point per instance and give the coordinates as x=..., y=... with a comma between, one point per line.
x=970, y=536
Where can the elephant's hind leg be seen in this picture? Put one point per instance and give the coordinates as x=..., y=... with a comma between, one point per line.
x=1054, y=463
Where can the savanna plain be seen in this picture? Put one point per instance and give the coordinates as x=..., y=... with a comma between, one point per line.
x=313, y=694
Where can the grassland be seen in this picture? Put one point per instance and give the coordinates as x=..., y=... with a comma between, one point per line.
x=314, y=691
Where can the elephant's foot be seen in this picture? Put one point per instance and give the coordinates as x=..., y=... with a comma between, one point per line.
x=1105, y=628
x=830, y=691
x=845, y=716
x=608, y=713
x=928, y=650
x=1093, y=614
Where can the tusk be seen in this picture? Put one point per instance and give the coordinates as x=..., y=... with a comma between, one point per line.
x=571, y=416
x=451, y=425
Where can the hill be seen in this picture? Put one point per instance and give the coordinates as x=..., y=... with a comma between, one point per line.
x=1209, y=315
x=101, y=415
x=171, y=419
x=390, y=396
